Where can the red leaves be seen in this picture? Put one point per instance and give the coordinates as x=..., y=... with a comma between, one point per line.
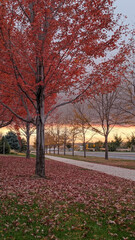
x=64, y=182
x=61, y=33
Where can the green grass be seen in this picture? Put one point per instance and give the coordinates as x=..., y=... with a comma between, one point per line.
x=64, y=222
x=18, y=155
x=20, y=221
x=130, y=164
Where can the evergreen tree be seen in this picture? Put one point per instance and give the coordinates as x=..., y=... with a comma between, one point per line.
x=117, y=140
x=131, y=142
x=12, y=139
x=4, y=146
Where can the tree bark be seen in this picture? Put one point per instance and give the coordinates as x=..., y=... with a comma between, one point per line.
x=46, y=149
x=40, y=147
x=28, y=140
x=84, y=149
x=73, y=146
x=106, y=147
x=84, y=144
x=65, y=140
x=58, y=141
x=64, y=147
x=58, y=149
x=40, y=138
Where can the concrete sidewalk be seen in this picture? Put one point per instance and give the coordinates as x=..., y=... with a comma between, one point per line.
x=114, y=171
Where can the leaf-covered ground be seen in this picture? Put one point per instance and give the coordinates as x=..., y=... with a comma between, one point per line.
x=70, y=204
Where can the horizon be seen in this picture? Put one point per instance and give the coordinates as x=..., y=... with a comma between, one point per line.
x=124, y=132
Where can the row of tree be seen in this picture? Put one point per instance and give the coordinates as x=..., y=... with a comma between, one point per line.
x=98, y=115
x=53, y=146
x=54, y=53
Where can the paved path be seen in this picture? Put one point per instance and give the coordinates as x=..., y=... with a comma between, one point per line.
x=114, y=171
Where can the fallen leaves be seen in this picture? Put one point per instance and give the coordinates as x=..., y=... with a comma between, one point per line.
x=69, y=198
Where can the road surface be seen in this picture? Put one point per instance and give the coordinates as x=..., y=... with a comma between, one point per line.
x=120, y=155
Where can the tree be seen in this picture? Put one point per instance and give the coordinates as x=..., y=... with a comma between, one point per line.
x=47, y=47
x=117, y=140
x=80, y=116
x=74, y=132
x=131, y=142
x=23, y=129
x=107, y=109
x=98, y=145
x=12, y=140
x=4, y=146
x=128, y=83
x=114, y=144
x=23, y=145
x=51, y=140
x=105, y=112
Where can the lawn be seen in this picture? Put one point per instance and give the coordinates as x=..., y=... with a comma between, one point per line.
x=70, y=204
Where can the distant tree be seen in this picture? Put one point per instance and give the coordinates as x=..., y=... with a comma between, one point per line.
x=117, y=140
x=23, y=145
x=12, y=140
x=81, y=116
x=128, y=85
x=114, y=144
x=73, y=130
x=50, y=141
x=131, y=142
x=106, y=112
x=53, y=127
x=63, y=128
x=69, y=145
x=4, y=146
x=111, y=146
x=21, y=128
x=98, y=145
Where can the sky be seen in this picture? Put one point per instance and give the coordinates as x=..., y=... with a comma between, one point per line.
x=126, y=7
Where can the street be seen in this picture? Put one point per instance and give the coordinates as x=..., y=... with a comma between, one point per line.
x=121, y=155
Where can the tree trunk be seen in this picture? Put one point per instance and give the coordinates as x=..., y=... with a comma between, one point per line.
x=28, y=140
x=64, y=148
x=40, y=147
x=106, y=147
x=58, y=141
x=58, y=149
x=73, y=146
x=84, y=149
x=84, y=144
x=40, y=139
x=46, y=149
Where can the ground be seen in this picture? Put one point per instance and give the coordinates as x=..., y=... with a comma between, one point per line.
x=70, y=204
